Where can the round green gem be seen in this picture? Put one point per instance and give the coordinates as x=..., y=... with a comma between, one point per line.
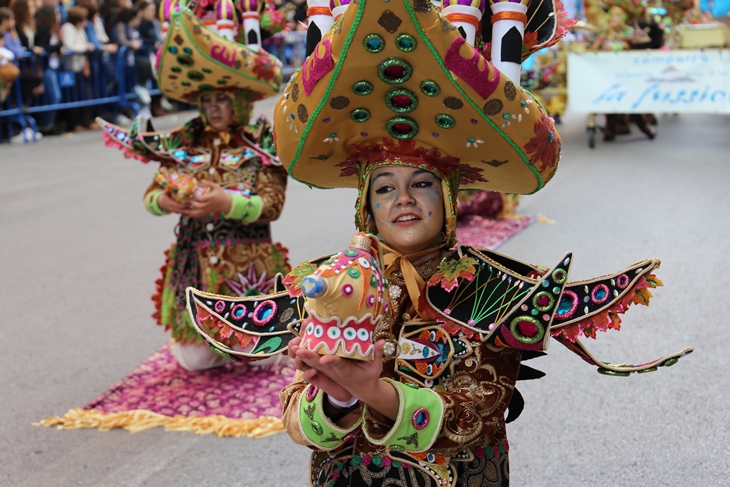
x=360, y=115
x=187, y=50
x=185, y=83
x=373, y=280
x=221, y=82
x=356, y=460
x=445, y=121
x=430, y=88
x=317, y=428
x=362, y=88
x=378, y=460
x=172, y=50
x=175, y=69
x=395, y=126
x=394, y=71
x=206, y=70
x=206, y=88
x=405, y=42
x=195, y=76
x=353, y=272
x=397, y=104
x=374, y=43
x=539, y=334
x=185, y=60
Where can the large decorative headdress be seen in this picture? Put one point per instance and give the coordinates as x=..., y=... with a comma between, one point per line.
x=397, y=83
x=198, y=58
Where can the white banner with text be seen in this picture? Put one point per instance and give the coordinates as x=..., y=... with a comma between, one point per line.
x=650, y=81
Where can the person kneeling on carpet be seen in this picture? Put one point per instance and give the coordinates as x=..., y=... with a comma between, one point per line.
x=220, y=174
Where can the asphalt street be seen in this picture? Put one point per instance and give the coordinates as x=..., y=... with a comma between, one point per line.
x=79, y=256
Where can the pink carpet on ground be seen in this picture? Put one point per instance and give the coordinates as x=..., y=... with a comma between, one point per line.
x=160, y=385
x=490, y=233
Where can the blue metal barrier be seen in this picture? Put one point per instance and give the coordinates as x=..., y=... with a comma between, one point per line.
x=103, y=80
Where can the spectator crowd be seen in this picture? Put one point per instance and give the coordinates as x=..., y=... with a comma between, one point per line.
x=41, y=38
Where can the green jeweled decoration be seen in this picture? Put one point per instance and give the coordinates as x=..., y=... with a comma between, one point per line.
x=395, y=100
x=445, y=121
x=374, y=43
x=185, y=83
x=195, y=76
x=542, y=296
x=559, y=276
x=187, y=50
x=172, y=49
x=525, y=339
x=406, y=43
x=175, y=69
x=362, y=88
x=430, y=88
x=360, y=115
x=185, y=60
x=317, y=428
x=394, y=71
x=396, y=128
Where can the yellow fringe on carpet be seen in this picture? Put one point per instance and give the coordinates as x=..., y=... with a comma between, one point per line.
x=140, y=420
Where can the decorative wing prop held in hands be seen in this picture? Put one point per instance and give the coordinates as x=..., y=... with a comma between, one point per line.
x=513, y=304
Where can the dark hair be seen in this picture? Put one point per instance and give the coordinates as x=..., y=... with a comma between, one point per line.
x=21, y=9
x=5, y=13
x=124, y=16
x=90, y=6
x=77, y=14
x=46, y=18
x=143, y=4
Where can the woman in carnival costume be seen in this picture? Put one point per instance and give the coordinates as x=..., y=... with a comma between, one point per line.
x=396, y=102
x=220, y=174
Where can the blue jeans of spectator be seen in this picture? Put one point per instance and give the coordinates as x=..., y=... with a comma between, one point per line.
x=51, y=96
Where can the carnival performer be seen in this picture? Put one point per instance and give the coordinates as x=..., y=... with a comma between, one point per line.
x=396, y=102
x=619, y=34
x=220, y=174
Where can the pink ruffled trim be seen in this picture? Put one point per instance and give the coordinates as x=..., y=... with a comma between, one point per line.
x=110, y=142
x=609, y=318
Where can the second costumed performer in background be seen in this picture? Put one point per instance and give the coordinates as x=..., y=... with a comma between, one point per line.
x=220, y=174
x=408, y=346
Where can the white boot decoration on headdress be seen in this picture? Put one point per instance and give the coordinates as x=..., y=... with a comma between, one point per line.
x=166, y=8
x=320, y=20
x=465, y=15
x=508, y=29
x=227, y=22
x=338, y=7
x=251, y=26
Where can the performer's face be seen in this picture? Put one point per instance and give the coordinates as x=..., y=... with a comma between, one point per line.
x=407, y=206
x=218, y=110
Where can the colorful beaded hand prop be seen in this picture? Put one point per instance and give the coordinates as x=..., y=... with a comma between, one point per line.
x=517, y=305
x=180, y=187
x=345, y=301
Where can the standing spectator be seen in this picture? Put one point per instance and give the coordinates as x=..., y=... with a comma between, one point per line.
x=95, y=29
x=46, y=39
x=24, y=12
x=151, y=37
x=123, y=30
x=73, y=36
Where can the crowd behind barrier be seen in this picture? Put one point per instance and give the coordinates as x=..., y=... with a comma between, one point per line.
x=102, y=81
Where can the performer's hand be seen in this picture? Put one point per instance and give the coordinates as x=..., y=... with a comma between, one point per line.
x=167, y=203
x=312, y=375
x=359, y=379
x=213, y=201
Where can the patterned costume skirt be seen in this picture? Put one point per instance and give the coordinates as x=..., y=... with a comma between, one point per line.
x=219, y=256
